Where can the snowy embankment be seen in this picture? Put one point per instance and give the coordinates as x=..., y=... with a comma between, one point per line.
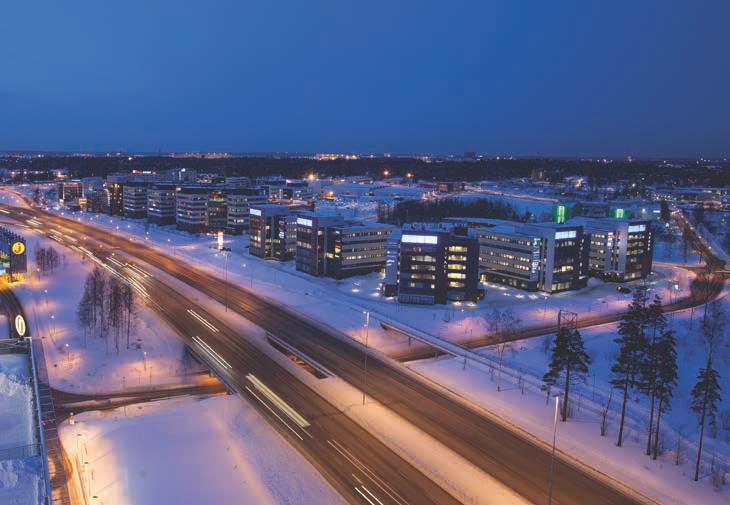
x=189, y=451
x=21, y=480
x=83, y=362
x=515, y=394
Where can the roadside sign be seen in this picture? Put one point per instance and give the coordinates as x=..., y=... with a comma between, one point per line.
x=18, y=248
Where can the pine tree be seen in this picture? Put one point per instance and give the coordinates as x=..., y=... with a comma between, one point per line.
x=666, y=378
x=632, y=350
x=569, y=360
x=705, y=397
x=655, y=322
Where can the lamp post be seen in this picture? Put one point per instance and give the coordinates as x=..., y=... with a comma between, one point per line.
x=367, y=331
x=552, y=454
x=225, y=251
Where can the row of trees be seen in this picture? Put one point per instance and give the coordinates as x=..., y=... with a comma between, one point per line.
x=108, y=306
x=646, y=363
x=47, y=259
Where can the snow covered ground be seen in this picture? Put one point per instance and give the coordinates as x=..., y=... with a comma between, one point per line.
x=189, y=451
x=20, y=477
x=87, y=363
x=525, y=363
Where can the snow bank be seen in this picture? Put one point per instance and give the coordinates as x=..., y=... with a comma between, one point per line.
x=190, y=451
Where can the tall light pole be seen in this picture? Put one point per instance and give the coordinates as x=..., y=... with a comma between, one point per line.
x=552, y=455
x=225, y=251
x=367, y=331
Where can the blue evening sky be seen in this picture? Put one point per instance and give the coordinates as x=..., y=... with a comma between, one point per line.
x=614, y=78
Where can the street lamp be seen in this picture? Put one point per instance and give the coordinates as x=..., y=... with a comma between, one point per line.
x=225, y=251
x=552, y=455
x=367, y=331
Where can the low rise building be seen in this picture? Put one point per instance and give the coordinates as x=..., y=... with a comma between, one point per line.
x=239, y=202
x=191, y=208
x=161, y=204
x=620, y=249
x=329, y=245
x=435, y=263
x=134, y=198
x=272, y=232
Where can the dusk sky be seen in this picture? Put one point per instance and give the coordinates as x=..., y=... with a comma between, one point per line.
x=642, y=78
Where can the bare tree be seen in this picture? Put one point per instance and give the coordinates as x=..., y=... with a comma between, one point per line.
x=86, y=309
x=115, y=311
x=129, y=306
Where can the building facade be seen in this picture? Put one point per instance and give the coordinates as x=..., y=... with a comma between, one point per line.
x=191, y=208
x=161, y=204
x=239, y=202
x=134, y=197
x=272, y=232
x=436, y=264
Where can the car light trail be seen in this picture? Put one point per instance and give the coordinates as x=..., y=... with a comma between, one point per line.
x=209, y=350
x=203, y=321
x=276, y=400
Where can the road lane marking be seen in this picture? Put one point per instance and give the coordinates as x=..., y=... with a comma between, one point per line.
x=276, y=400
x=363, y=495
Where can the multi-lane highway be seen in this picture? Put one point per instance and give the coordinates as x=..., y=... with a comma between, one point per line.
x=513, y=458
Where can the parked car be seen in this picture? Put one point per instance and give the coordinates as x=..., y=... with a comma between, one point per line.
x=623, y=289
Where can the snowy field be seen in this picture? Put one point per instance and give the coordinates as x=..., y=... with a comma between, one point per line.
x=526, y=361
x=86, y=363
x=20, y=478
x=189, y=451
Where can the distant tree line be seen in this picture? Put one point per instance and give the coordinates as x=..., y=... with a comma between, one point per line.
x=441, y=169
x=108, y=306
x=428, y=211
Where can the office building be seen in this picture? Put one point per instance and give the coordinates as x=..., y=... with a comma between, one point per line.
x=239, y=202
x=355, y=248
x=134, y=197
x=436, y=263
x=329, y=245
x=272, y=232
x=161, y=204
x=217, y=211
x=620, y=249
x=191, y=208
x=115, y=197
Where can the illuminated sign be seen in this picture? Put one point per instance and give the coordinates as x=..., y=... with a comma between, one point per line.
x=304, y=222
x=18, y=248
x=254, y=212
x=637, y=228
x=619, y=213
x=20, y=327
x=560, y=214
x=559, y=235
x=220, y=240
x=420, y=239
